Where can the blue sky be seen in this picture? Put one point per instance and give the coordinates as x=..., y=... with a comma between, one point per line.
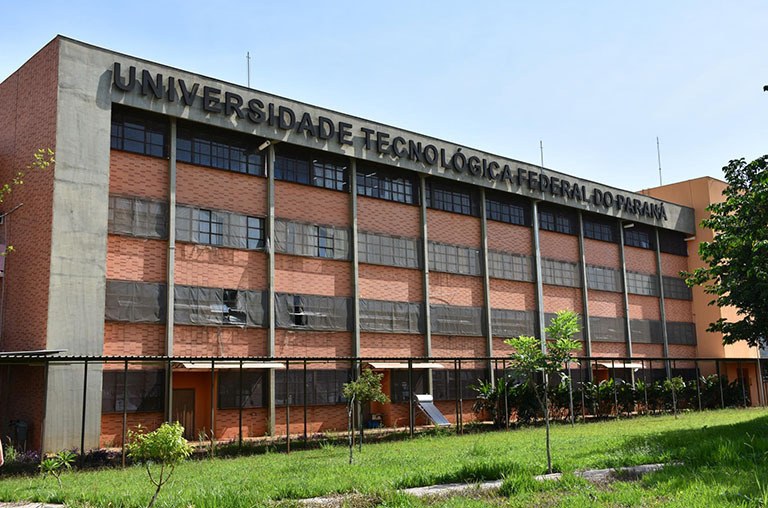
x=597, y=82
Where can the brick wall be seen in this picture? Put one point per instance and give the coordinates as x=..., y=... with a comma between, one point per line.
x=219, y=341
x=557, y=298
x=451, y=289
x=131, y=174
x=221, y=190
x=559, y=246
x=255, y=423
x=644, y=307
x=27, y=122
x=391, y=345
x=22, y=394
x=446, y=227
x=672, y=265
x=386, y=217
x=601, y=253
x=312, y=276
x=136, y=259
x=640, y=260
x=609, y=349
x=606, y=304
x=305, y=203
x=509, y=294
x=450, y=346
x=203, y=265
x=648, y=350
x=678, y=310
x=392, y=284
x=509, y=238
x=112, y=426
x=319, y=419
x=308, y=343
x=131, y=339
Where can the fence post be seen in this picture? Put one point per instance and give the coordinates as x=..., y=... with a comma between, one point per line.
x=213, y=406
x=672, y=383
x=456, y=391
x=570, y=393
x=743, y=383
x=720, y=382
x=240, y=408
x=506, y=393
x=615, y=389
x=698, y=387
x=82, y=423
x=411, y=416
x=461, y=400
x=287, y=408
x=306, y=438
x=125, y=410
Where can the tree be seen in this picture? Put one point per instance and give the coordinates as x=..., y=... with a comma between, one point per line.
x=737, y=273
x=532, y=360
x=165, y=447
x=366, y=388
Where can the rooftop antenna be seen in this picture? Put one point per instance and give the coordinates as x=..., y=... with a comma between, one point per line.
x=248, y=64
x=541, y=149
x=658, y=154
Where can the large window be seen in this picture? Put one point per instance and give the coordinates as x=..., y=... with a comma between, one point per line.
x=599, y=229
x=323, y=387
x=392, y=317
x=444, y=383
x=219, y=149
x=639, y=236
x=506, y=210
x=387, y=250
x=139, y=132
x=378, y=182
x=312, y=312
x=235, y=392
x=311, y=240
x=672, y=242
x=299, y=165
x=642, y=284
x=144, y=389
x=137, y=217
x=559, y=221
x=560, y=273
x=502, y=265
x=401, y=389
x=210, y=227
x=454, y=259
x=451, y=198
x=135, y=302
x=603, y=279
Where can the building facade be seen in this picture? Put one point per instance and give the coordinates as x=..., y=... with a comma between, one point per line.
x=187, y=217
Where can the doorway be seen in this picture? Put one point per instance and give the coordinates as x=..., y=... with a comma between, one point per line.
x=183, y=410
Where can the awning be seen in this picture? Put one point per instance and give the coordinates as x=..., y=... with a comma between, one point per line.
x=227, y=365
x=396, y=366
x=621, y=365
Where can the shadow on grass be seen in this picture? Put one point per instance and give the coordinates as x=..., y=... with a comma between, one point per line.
x=729, y=459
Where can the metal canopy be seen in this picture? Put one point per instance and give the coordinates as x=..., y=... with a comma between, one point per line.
x=401, y=366
x=227, y=365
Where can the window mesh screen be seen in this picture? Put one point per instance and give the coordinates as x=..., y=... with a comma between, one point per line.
x=646, y=331
x=513, y=323
x=510, y=266
x=386, y=184
x=642, y=284
x=676, y=288
x=444, y=383
x=135, y=302
x=454, y=259
x=234, y=393
x=560, y=273
x=194, y=305
x=137, y=217
x=224, y=229
x=311, y=240
x=681, y=333
x=387, y=250
x=603, y=279
x=604, y=329
x=312, y=312
x=454, y=320
x=144, y=388
x=323, y=387
x=387, y=316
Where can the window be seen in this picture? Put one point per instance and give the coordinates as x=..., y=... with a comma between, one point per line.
x=194, y=305
x=646, y=331
x=323, y=387
x=387, y=250
x=672, y=242
x=219, y=149
x=135, y=302
x=325, y=242
x=509, y=266
x=137, y=217
x=560, y=273
x=605, y=329
x=293, y=164
x=451, y=198
x=444, y=383
x=454, y=259
x=386, y=316
x=255, y=233
x=312, y=312
x=559, y=221
x=455, y=320
x=681, y=333
x=513, y=323
x=378, y=182
x=603, y=279
x=211, y=227
x=139, y=132
x=144, y=388
x=676, y=289
x=504, y=210
x=639, y=236
x=642, y=284
x=234, y=393
x=399, y=387
x=597, y=229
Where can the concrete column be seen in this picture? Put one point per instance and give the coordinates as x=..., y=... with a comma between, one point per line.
x=537, y=272
x=271, y=282
x=662, y=306
x=425, y=276
x=585, y=326
x=625, y=292
x=486, y=285
x=355, y=260
x=171, y=268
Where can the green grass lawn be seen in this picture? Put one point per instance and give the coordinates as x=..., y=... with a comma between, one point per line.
x=723, y=456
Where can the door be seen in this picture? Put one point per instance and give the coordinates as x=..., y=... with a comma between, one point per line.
x=184, y=410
